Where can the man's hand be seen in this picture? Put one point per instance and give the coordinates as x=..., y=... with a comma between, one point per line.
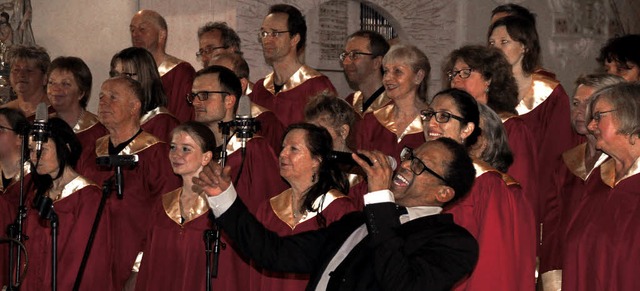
x=379, y=174
x=213, y=180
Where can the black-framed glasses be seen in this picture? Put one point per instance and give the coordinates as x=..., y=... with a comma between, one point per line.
x=353, y=55
x=441, y=116
x=203, y=95
x=417, y=166
x=464, y=73
x=275, y=33
x=208, y=51
x=598, y=115
x=114, y=73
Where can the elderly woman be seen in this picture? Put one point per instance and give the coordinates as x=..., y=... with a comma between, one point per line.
x=391, y=127
x=28, y=78
x=178, y=220
x=68, y=89
x=494, y=212
x=314, y=200
x=138, y=64
x=601, y=242
x=75, y=202
x=338, y=118
x=485, y=74
x=620, y=56
x=569, y=184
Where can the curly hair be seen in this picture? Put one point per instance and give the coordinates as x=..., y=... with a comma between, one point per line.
x=494, y=67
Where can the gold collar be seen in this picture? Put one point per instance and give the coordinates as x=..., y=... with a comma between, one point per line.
x=153, y=113
x=281, y=205
x=354, y=179
x=482, y=167
x=385, y=117
x=256, y=110
x=168, y=64
x=171, y=205
x=235, y=144
x=73, y=186
x=358, y=102
x=303, y=74
x=608, y=172
x=574, y=160
x=26, y=167
x=542, y=86
x=86, y=121
x=143, y=141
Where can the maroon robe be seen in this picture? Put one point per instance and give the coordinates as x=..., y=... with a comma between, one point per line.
x=601, y=247
x=143, y=185
x=288, y=104
x=76, y=210
x=260, y=178
x=497, y=214
x=270, y=126
x=174, y=254
x=276, y=215
x=88, y=130
x=159, y=122
x=377, y=131
x=546, y=112
x=569, y=190
x=177, y=78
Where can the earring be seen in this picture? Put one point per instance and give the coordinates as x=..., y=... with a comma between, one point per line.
x=486, y=90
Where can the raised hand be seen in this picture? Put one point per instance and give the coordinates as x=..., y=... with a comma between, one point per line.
x=213, y=180
x=379, y=173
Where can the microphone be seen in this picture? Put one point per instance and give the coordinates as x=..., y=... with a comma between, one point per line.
x=345, y=158
x=118, y=161
x=40, y=128
x=245, y=124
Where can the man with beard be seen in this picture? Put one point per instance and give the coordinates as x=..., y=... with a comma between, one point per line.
x=287, y=89
x=362, y=64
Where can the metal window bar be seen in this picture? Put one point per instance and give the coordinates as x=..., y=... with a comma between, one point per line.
x=370, y=19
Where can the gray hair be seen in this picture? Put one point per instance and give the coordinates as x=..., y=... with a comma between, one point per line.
x=496, y=152
x=625, y=98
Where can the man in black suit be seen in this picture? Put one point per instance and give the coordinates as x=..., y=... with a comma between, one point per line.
x=375, y=249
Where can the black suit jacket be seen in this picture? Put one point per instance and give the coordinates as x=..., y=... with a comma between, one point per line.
x=428, y=253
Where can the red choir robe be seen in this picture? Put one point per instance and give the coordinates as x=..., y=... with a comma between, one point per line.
x=76, y=209
x=143, y=185
x=12, y=192
x=497, y=214
x=601, y=247
x=524, y=168
x=270, y=126
x=277, y=216
x=569, y=190
x=378, y=131
x=177, y=78
x=88, y=130
x=159, y=122
x=288, y=104
x=260, y=177
x=546, y=112
x=358, y=187
x=174, y=254
x=356, y=100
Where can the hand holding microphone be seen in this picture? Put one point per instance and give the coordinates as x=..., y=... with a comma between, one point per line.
x=379, y=172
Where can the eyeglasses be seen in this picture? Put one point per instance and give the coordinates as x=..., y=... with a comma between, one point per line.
x=441, y=116
x=275, y=33
x=598, y=115
x=208, y=51
x=203, y=95
x=353, y=55
x=126, y=74
x=417, y=166
x=6, y=129
x=464, y=73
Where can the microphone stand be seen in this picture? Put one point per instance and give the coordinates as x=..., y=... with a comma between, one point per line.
x=212, y=244
x=54, y=250
x=15, y=230
x=106, y=190
x=225, y=129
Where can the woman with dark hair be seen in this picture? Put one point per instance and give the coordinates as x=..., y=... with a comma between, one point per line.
x=494, y=212
x=314, y=200
x=68, y=89
x=174, y=251
x=74, y=201
x=620, y=56
x=138, y=64
x=601, y=244
x=485, y=74
x=393, y=126
x=12, y=125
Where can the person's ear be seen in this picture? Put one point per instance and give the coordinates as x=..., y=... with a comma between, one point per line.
x=206, y=158
x=295, y=39
x=230, y=101
x=445, y=194
x=419, y=77
x=344, y=131
x=467, y=130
